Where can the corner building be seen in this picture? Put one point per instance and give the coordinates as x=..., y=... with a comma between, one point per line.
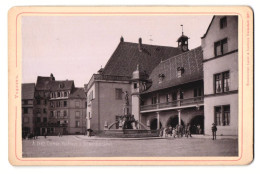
x=220, y=62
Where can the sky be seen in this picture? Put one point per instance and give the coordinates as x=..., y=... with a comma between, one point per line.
x=75, y=47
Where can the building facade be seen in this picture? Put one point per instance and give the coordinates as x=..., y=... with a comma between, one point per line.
x=28, y=90
x=108, y=89
x=59, y=107
x=176, y=94
x=165, y=86
x=220, y=62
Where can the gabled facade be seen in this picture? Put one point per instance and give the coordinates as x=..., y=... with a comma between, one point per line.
x=220, y=62
x=110, y=89
x=60, y=107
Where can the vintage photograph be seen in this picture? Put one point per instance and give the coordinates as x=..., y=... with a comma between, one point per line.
x=130, y=86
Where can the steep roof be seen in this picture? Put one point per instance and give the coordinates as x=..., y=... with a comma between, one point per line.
x=127, y=55
x=62, y=85
x=190, y=61
x=46, y=83
x=43, y=83
x=28, y=91
x=78, y=93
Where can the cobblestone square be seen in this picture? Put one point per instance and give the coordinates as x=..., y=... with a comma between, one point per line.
x=81, y=146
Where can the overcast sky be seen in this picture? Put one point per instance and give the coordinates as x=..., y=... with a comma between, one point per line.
x=75, y=47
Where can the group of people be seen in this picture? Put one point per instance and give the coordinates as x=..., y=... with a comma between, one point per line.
x=178, y=131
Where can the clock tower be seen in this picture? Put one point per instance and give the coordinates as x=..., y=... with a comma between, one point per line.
x=183, y=42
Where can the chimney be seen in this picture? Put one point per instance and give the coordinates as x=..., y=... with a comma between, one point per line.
x=121, y=39
x=52, y=77
x=140, y=45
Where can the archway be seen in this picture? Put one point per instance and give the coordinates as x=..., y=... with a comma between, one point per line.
x=197, y=124
x=173, y=121
x=153, y=125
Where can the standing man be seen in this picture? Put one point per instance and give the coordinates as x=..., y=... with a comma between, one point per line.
x=214, y=131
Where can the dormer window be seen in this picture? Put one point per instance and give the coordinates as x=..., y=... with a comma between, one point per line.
x=61, y=85
x=180, y=71
x=161, y=77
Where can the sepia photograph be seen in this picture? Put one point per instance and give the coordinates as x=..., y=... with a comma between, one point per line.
x=129, y=86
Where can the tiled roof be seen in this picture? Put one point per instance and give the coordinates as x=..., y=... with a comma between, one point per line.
x=127, y=55
x=28, y=91
x=78, y=93
x=46, y=83
x=62, y=85
x=190, y=61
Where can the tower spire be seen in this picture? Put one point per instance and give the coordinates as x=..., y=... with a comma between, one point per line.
x=181, y=29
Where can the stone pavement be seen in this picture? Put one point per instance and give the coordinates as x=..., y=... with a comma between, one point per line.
x=83, y=146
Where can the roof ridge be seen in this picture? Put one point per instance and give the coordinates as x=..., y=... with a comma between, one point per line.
x=181, y=54
x=151, y=45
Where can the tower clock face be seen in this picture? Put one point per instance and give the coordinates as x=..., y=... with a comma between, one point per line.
x=185, y=47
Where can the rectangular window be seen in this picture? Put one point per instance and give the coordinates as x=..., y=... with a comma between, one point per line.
x=25, y=102
x=135, y=85
x=65, y=113
x=91, y=96
x=197, y=92
x=44, y=110
x=77, y=123
x=167, y=98
x=45, y=102
x=58, y=113
x=226, y=81
x=221, y=47
x=218, y=115
x=223, y=22
x=154, y=100
x=222, y=82
x=218, y=85
x=174, y=96
x=65, y=94
x=222, y=115
x=51, y=114
x=38, y=101
x=58, y=104
x=77, y=103
x=119, y=93
x=45, y=120
x=65, y=103
x=226, y=115
x=58, y=94
x=52, y=104
x=77, y=114
x=25, y=110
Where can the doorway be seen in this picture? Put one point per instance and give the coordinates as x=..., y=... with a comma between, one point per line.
x=153, y=124
x=174, y=121
x=197, y=124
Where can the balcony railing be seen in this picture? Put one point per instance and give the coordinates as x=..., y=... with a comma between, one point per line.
x=176, y=103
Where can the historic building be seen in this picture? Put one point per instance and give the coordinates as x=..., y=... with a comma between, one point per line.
x=220, y=63
x=59, y=107
x=27, y=108
x=165, y=86
x=107, y=90
x=176, y=93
